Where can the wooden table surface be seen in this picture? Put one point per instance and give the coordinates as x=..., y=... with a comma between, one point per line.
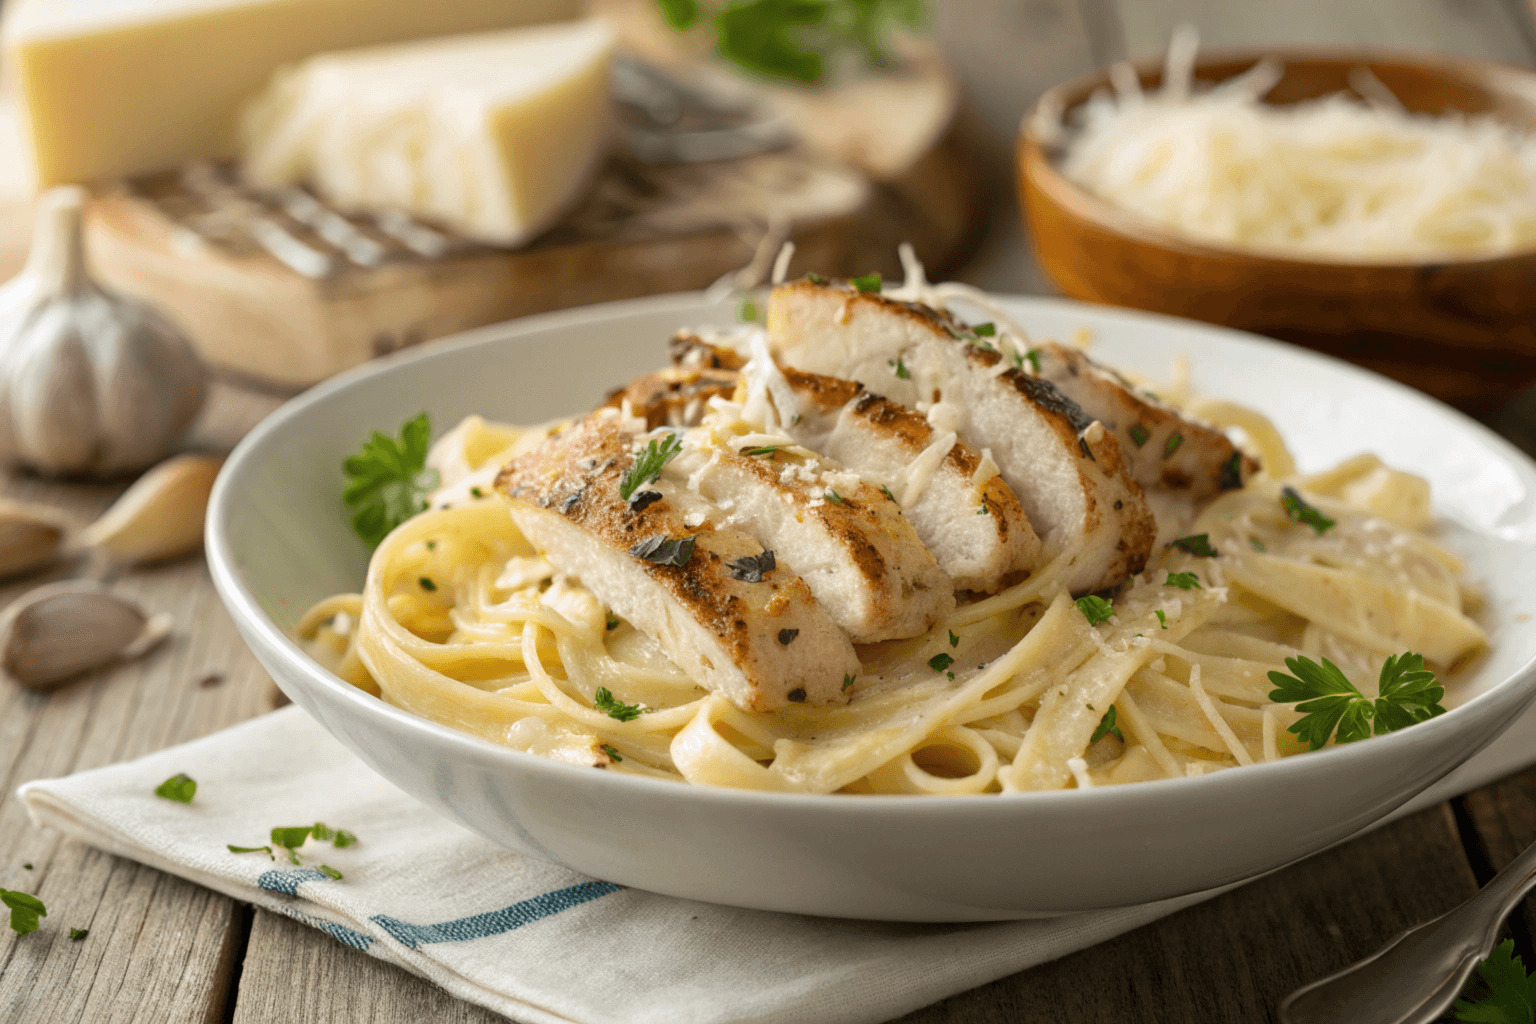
x=164, y=951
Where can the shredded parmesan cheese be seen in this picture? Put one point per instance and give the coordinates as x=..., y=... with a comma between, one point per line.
x=1336, y=177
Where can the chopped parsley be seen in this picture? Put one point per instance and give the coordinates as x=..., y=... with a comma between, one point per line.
x=954, y=641
x=1183, y=580
x=815, y=279
x=747, y=311
x=290, y=838
x=1198, y=544
x=986, y=330
x=983, y=510
x=835, y=498
x=767, y=449
x=25, y=910
x=76, y=934
x=1257, y=545
x=427, y=584
x=1140, y=434
x=1170, y=446
x=613, y=624
x=608, y=704
x=1033, y=355
x=476, y=492
x=899, y=368
x=887, y=492
x=1106, y=726
x=179, y=787
x=752, y=568
x=1298, y=509
x=1162, y=619
x=232, y=848
x=649, y=463
x=1331, y=706
x=330, y=872
x=848, y=682
x=613, y=755
x=1095, y=609
x=388, y=481
x=940, y=662
x=664, y=550
x=867, y=283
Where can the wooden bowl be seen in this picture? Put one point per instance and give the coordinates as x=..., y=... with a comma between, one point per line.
x=1462, y=329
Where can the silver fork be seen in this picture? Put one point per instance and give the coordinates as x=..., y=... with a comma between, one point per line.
x=1416, y=977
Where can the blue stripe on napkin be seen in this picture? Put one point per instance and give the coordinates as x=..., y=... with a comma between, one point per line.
x=288, y=881
x=496, y=921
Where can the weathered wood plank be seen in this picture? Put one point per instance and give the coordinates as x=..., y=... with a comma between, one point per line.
x=1232, y=959
x=160, y=949
x=1503, y=816
x=295, y=973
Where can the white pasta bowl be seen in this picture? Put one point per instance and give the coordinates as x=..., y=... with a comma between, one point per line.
x=279, y=539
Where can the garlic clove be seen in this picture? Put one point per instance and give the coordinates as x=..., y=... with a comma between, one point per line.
x=31, y=537
x=160, y=516
x=59, y=631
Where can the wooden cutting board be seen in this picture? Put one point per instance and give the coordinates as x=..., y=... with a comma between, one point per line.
x=279, y=289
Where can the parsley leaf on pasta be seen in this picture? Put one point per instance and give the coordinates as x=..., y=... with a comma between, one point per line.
x=1198, y=544
x=1332, y=707
x=1095, y=609
x=608, y=704
x=1302, y=512
x=388, y=481
x=1183, y=580
x=649, y=463
x=1107, y=727
x=1410, y=693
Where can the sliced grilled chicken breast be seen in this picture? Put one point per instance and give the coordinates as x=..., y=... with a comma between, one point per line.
x=844, y=537
x=1163, y=447
x=675, y=396
x=737, y=627
x=971, y=520
x=1070, y=475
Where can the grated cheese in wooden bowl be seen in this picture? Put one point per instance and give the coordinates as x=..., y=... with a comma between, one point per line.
x=1337, y=177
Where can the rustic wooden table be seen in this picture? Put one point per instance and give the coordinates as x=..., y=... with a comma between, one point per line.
x=164, y=951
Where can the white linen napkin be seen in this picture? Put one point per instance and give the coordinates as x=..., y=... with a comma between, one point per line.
x=530, y=939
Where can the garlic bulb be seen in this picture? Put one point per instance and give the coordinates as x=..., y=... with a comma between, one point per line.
x=90, y=383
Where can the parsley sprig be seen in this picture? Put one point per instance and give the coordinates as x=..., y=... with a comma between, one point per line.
x=795, y=39
x=388, y=482
x=179, y=787
x=1511, y=997
x=1331, y=706
x=649, y=464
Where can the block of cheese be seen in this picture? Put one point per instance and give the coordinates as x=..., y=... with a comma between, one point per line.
x=115, y=87
x=492, y=134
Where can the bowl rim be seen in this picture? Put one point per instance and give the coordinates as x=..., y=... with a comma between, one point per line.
x=1513, y=692
x=1038, y=165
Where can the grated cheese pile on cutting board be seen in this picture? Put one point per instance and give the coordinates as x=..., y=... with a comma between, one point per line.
x=1337, y=177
